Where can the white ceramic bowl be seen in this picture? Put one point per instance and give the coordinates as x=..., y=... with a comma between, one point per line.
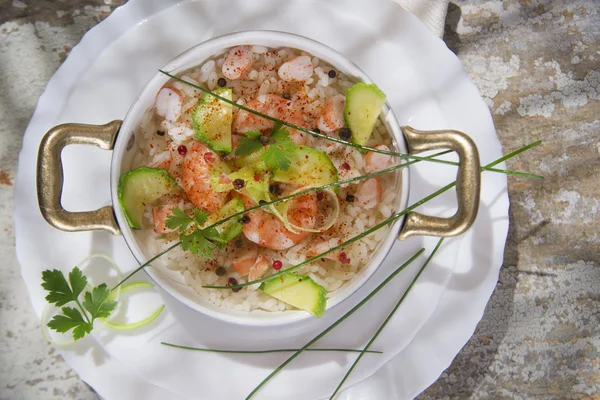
x=171, y=281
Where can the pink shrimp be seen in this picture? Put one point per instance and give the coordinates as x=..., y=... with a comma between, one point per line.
x=332, y=114
x=368, y=193
x=376, y=161
x=195, y=179
x=296, y=69
x=318, y=246
x=244, y=259
x=267, y=230
x=168, y=103
x=237, y=63
x=159, y=218
x=273, y=106
x=259, y=268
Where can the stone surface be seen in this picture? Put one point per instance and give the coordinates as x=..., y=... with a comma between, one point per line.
x=536, y=64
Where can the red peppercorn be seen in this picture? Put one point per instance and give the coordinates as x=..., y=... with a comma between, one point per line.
x=344, y=258
x=257, y=177
x=209, y=157
x=320, y=196
x=346, y=166
x=277, y=265
x=182, y=150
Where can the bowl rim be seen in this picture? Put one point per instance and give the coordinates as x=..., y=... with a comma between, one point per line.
x=189, y=59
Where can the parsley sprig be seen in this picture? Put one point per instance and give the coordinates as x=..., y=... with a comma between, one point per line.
x=279, y=147
x=193, y=237
x=61, y=292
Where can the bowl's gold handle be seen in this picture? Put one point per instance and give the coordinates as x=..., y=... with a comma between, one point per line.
x=50, y=176
x=468, y=183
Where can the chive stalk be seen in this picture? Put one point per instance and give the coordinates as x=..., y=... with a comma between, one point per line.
x=336, y=323
x=389, y=317
x=205, y=350
x=331, y=138
x=385, y=282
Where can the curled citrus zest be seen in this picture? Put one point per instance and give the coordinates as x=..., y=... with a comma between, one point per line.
x=49, y=311
x=138, y=324
x=281, y=210
x=131, y=286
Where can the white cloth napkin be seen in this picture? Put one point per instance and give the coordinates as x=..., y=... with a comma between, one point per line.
x=431, y=12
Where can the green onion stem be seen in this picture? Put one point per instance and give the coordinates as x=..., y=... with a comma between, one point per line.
x=146, y=264
x=389, y=317
x=336, y=323
x=266, y=351
x=326, y=137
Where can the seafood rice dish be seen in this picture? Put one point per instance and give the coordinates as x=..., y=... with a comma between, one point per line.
x=210, y=159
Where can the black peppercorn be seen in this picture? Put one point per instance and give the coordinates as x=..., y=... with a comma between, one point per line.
x=245, y=219
x=238, y=184
x=160, y=133
x=233, y=282
x=274, y=189
x=264, y=139
x=345, y=133
x=332, y=73
x=222, y=82
x=286, y=96
x=349, y=198
x=220, y=271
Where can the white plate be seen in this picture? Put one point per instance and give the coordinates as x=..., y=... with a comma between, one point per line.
x=427, y=88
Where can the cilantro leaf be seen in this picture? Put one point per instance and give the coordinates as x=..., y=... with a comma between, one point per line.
x=282, y=137
x=197, y=243
x=78, y=281
x=253, y=134
x=247, y=146
x=178, y=220
x=276, y=157
x=278, y=154
x=276, y=127
x=96, y=303
x=60, y=293
x=70, y=318
x=200, y=216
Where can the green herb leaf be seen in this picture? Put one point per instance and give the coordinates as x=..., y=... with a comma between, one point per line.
x=200, y=216
x=78, y=281
x=276, y=127
x=60, y=293
x=178, y=220
x=253, y=134
x=279, y=153
x=247, y=146
x=276, y=157
x=70, y=318
x=197, y=243
x=96, y=303
x=282, y=138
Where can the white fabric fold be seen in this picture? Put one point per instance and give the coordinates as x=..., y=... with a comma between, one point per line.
x=431, y=12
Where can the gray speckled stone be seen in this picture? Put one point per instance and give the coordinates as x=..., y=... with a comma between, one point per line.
x=35, y=38
x=537, y=65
